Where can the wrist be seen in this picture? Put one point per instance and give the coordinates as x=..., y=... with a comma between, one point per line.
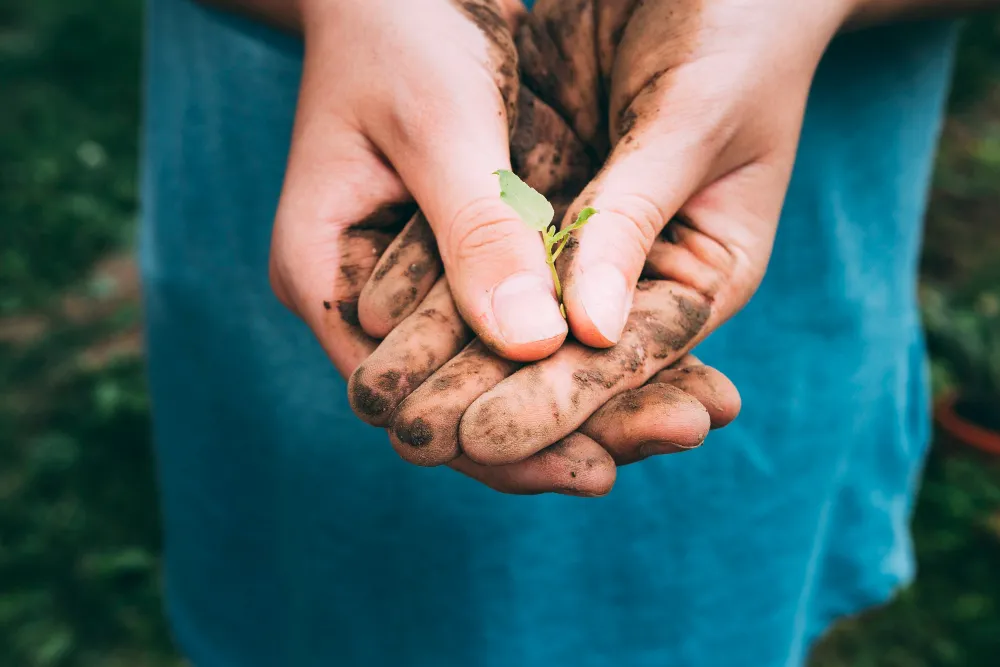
x=872, y=12
x=282, y=14
x=854, y=12
x=868, y=12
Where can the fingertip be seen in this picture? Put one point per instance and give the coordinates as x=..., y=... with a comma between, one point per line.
x=710, y=387
x=653, y=413
x=367, y=402
x=596, y=481
x=727, y=406
x=697, y=423
x=422, y=435
x=529, y=324
x=484, y=432
x=417, y=442
x=588, y=470
x=373, y=319
x=598, y=301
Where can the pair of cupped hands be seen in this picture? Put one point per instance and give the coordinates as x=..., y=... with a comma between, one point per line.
x=676, y=119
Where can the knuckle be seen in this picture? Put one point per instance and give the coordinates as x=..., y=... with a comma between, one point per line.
x=647, y=218
x=627, y=232
x=480, y=229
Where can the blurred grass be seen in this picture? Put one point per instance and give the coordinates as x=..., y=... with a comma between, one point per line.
x=70, y=113
x=79, y=540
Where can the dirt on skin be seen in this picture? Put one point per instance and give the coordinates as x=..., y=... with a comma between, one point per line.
x=559, y=119
x=638, y=415
x=361, y=246
x=514, y=419
x=488, y=18
x=409, y=355
x=403, y=276
x=544, y=152
x=424, y=428
x=575, y=465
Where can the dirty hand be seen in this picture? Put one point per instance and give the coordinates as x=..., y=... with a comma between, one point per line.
x=700, y=121
x=586, y=411
x=404, y=99
x=560, y=425
x=702, y=115
x=343, y=204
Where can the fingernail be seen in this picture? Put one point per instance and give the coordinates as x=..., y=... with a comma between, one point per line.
x=655, y=448
x=526, y=311
x=603, y=292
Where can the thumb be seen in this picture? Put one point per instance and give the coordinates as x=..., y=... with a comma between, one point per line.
x=648, y=177
x=495, y=264
x=446, y=154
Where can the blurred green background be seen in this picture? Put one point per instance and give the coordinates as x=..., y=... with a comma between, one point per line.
x=79, y=542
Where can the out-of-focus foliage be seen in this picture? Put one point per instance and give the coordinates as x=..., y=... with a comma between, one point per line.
x=963, y=334
x=69, y=76
x=978, y=62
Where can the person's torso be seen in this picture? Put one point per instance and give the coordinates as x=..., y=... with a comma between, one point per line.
x=296, y=537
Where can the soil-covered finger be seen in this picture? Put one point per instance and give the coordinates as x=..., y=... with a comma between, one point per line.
x=632, y=423
x=562, y=72
x=335, y=312
x=599, y=24
x=420, y=345
x=545, y=152
x=401, y=279
x=612, y=18
x=576, y=466
x=710, y=387
x=424, y=429
x=657, y=39
x=547, y=400
x=493, y=20
x=683, y=253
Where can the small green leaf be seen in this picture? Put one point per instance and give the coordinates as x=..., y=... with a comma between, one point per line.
x=581, y=220
x=583, y=216
x=532, y=206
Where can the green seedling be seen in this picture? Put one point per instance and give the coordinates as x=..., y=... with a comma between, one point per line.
x=537, y=213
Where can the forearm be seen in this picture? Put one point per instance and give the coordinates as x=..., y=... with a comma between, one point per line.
x=871, y=12
x=287, y=14
x=283, y=14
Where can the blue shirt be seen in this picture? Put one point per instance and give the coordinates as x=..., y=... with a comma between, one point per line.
x=295, y=537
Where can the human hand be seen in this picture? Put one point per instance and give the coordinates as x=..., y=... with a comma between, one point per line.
x=702, y=114
x=560, y=425
x=421, y=381
x=401, y=98
x=445, y=400
x=334, y=224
